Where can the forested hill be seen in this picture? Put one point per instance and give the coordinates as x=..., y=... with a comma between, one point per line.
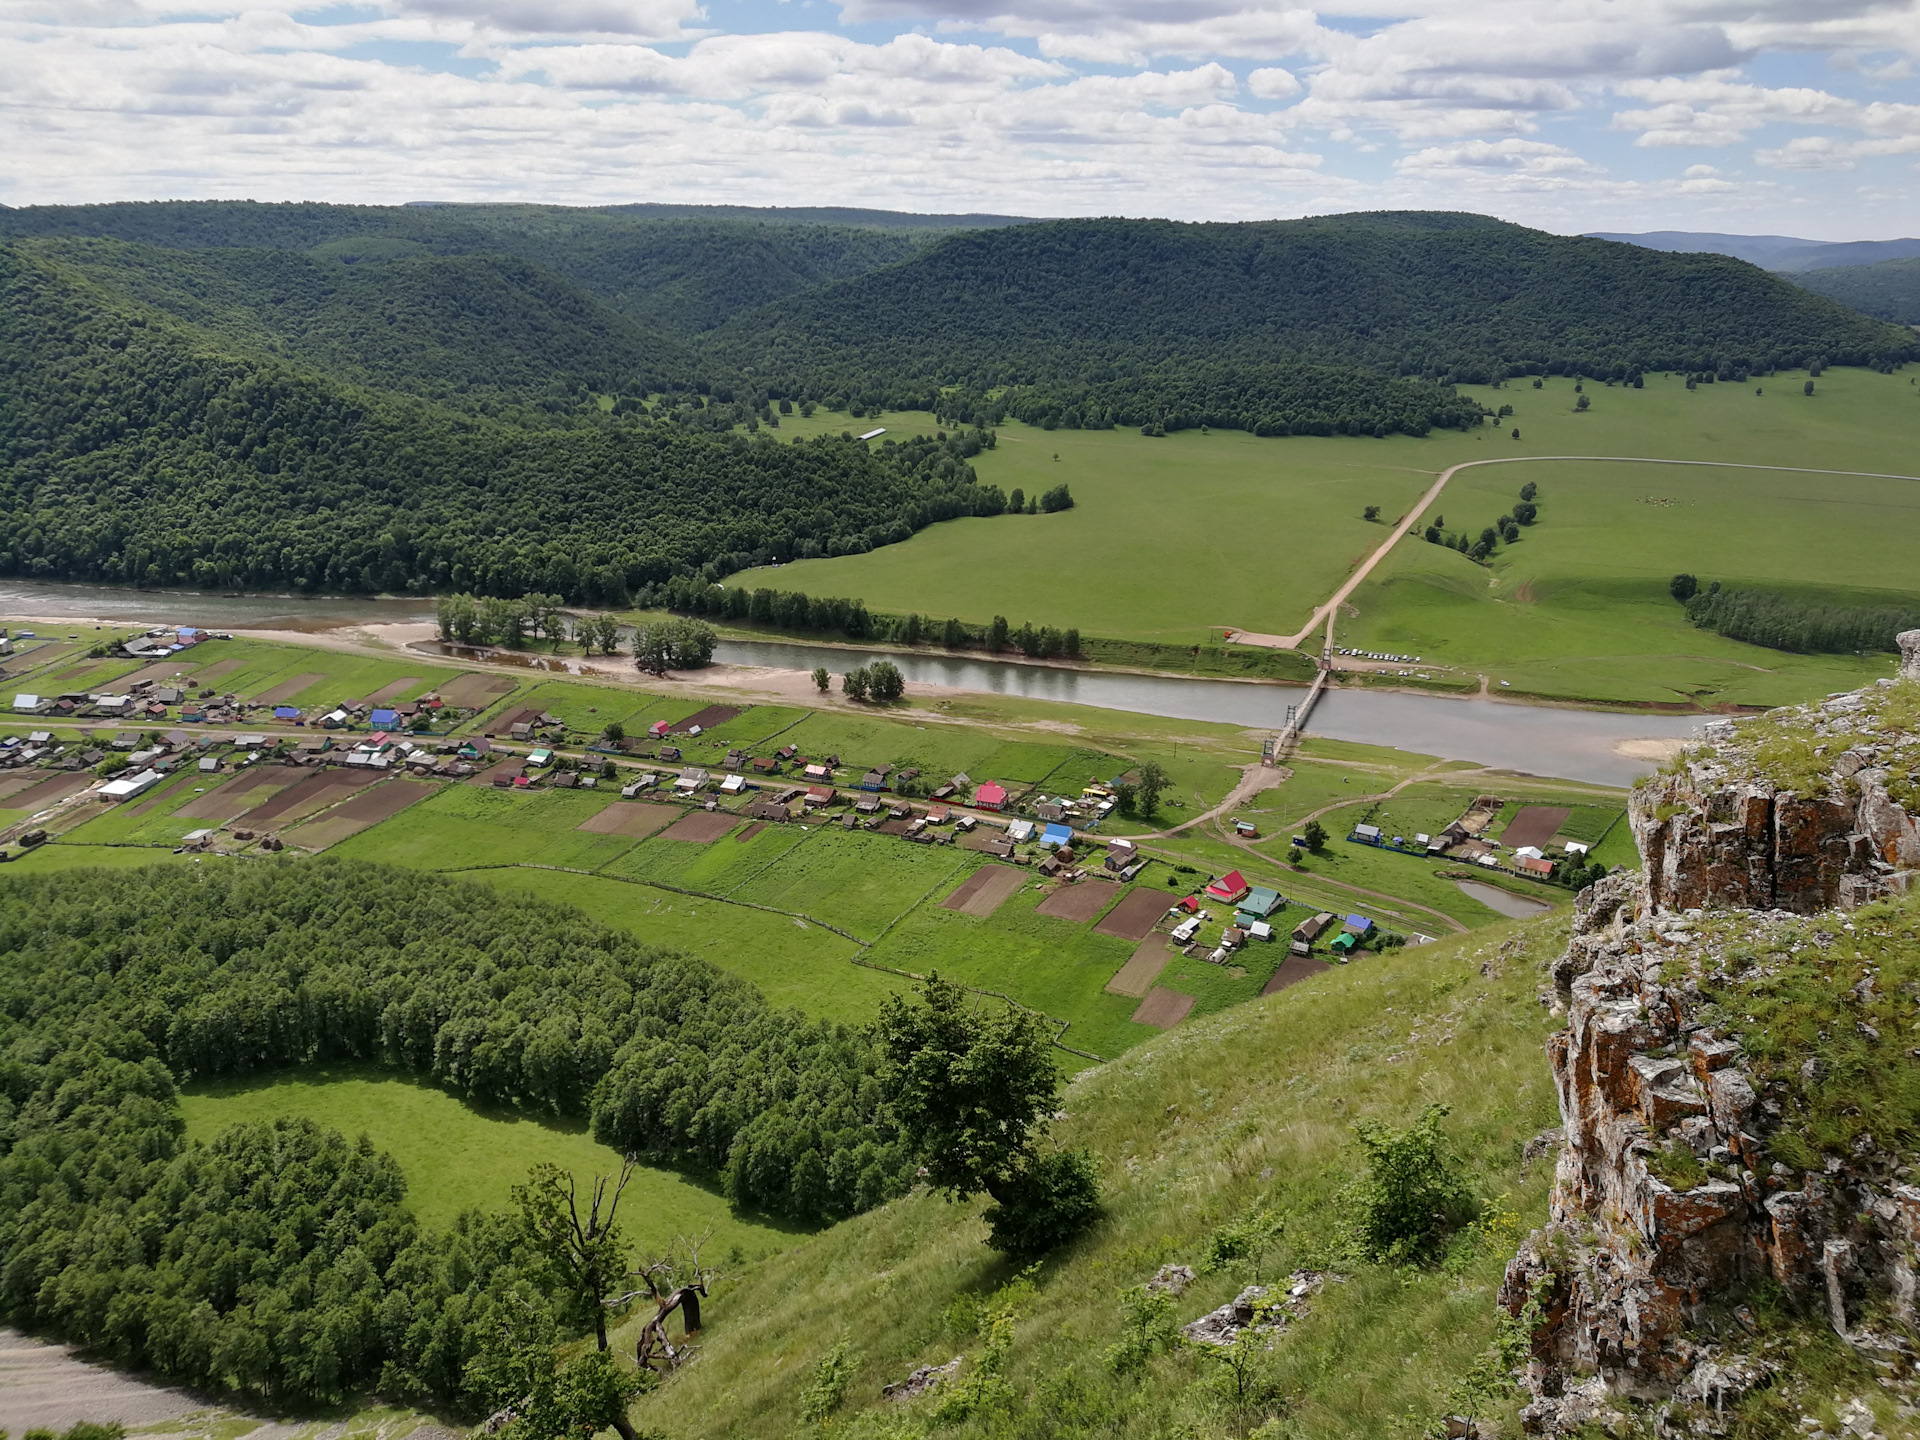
x=680, y=268
x=1889, y=290
x=1444, y=296
x=134, y=447
x=474, y=330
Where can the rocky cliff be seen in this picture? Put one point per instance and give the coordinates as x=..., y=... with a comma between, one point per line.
x=1733, y=1076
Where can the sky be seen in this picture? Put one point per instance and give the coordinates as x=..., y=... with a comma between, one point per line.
x=1796, y=117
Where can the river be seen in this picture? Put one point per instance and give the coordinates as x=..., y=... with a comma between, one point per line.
x=1537, y=739
x=1572, y=744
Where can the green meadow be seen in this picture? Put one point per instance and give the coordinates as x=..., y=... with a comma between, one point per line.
x=1172, y=538
x=458, y=1157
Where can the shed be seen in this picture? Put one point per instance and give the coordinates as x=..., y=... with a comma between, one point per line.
x=1260, y=930
x=1577, y=847
x=1246, y=830
x=1366, y=834
x=1344, y=942
x=989, y=796
x=209, y=764
x=285, y=712
x=658, y=730
x=1186, y=929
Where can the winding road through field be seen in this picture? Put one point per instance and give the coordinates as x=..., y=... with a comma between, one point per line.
x=1327, y=611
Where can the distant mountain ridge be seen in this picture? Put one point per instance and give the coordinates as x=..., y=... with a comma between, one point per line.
x=1784, y=253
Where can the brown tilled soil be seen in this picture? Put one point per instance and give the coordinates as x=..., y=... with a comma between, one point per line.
x=708, y=718
x=1534, y=825
x=1081, y=900
x=1292, y=971
x=751, y=831
x=384, y=801
x=362, y=812
x=46, y=792
x=393, y=690
x=474, y=691
x=317, y=790
x=1136, y=977
x=506, y=720
x=701, y=827
x=1163, y=1009
x=224, y=802
x=506, y=768
x=628, y=817
x=287, y=689
x=216, y=670
x=892, y=827
x=14, y=784
x=164, y=670
x=984, y=891
x=1134, y=917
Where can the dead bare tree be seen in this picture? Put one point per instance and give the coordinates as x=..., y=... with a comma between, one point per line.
x=673, y=1284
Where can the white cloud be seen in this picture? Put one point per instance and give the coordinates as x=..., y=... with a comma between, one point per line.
x=1272, y=83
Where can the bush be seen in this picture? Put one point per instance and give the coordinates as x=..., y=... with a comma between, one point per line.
x=1053, y=1198
x=1413, y=1195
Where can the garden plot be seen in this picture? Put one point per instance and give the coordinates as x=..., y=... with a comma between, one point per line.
x=1080, y=901
x=224, y=802
x=706, y=719
x=629, y=817
x=1135, y=916
x=1535, y=825
x=982, y=892
x=701, y=827
x=50, y=791
x=708, y=869
x=1163, y=1009
x=1136, y=977
x=393, y=689
x=1292, y=971
x=316, y=792
x=286, y=690
x=361, y=812
x=473, y=691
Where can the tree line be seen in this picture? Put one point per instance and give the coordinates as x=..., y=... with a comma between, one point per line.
x=1792, y=622
x=279, y=1259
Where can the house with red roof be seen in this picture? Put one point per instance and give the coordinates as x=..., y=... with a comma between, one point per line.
x=1229, y=887
x=989, y=797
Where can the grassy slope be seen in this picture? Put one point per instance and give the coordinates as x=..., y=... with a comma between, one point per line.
x=1251, y=1106
x=1172, y=536
x=457, y=1157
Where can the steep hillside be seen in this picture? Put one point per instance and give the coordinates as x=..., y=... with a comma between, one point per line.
x=1436, y=295
x=468, y=328
x=137, y=448
x=1889, y=290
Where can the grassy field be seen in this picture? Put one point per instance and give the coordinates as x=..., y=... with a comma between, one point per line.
x=457, y=1157
x=466, y=827
x=1171, y=537
x=792, y=962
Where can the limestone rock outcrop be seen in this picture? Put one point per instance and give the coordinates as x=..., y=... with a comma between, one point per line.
x=1800, y=809
x=1665, y=1196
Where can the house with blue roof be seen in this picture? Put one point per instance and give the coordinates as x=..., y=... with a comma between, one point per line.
x=1056, y=835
